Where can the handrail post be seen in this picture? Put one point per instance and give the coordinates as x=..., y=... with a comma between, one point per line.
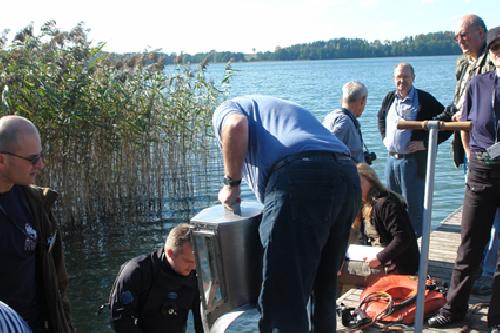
x=433, y=127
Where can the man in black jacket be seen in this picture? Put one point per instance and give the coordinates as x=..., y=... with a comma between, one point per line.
x=470, y=36
x=154, y=293
x=33, y=277
x=406, y=163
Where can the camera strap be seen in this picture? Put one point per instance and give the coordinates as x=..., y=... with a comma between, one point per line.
x=355, y=122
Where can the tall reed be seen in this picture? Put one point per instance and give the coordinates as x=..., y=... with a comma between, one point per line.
x=119, y=138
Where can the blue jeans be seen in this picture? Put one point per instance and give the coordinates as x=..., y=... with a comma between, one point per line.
x=491, y=251
x=309, y=205
x=402, y=177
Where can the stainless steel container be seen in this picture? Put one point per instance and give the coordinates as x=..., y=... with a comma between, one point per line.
x=228, y=257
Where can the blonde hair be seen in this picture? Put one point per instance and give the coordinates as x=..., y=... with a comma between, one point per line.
x=177, y=237
x=364, y=170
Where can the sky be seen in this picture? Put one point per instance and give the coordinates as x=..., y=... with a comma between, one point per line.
x=192, y=26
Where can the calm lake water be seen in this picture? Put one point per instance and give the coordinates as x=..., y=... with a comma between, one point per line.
x=94, y=255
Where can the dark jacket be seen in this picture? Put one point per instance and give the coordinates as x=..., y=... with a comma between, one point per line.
x=150, y=297
x=464, y=72
x=429, y=108
x=479, y=110
x=53, y=279
x=391, y=220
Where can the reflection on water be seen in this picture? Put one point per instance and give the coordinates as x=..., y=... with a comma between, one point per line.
x=94, y=255
x=93, y=258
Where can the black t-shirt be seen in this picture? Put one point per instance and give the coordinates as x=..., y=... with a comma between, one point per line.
x=18, y=242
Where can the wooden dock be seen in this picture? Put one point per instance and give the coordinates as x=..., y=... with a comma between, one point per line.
x=443, y=247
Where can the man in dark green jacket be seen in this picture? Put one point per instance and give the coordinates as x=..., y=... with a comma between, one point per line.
x=470, y=36
x=33, y=279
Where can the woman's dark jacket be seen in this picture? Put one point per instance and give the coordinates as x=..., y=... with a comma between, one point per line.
x=53, y=279
x=391, y=220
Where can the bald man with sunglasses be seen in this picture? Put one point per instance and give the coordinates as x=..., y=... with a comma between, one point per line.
x=33, y=278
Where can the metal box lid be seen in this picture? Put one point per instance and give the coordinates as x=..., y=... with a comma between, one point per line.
x=217, y=214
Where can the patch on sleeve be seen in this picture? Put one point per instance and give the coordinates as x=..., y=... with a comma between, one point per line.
x=171, y=295
x=126, y=297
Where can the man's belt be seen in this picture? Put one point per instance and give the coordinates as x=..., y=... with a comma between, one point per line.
x=400, y=156
x=310, y=155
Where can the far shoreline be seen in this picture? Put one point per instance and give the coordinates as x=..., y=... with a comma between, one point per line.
x=319, y=60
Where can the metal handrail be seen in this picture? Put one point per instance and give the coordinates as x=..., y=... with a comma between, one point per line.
x=441, y=125
x=433, y=127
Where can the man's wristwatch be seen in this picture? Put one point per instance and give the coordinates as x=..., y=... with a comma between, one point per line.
x=231, y=182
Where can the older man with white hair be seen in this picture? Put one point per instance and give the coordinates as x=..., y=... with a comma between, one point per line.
x=407, y=149
x=343, y=122
x=482, y=193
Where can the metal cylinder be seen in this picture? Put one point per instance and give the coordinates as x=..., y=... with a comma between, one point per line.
x=229, y=258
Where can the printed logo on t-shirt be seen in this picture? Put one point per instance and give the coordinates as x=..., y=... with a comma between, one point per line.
x=31, y=237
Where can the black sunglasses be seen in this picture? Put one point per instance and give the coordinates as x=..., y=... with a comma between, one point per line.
x=33, y=159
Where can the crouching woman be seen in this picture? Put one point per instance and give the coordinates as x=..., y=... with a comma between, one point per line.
x=385, y=223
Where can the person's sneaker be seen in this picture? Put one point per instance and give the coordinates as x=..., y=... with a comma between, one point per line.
x=482, y=286
x=495, y=329
x=440, y=321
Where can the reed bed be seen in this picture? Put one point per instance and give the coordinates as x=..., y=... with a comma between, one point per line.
x=120, y=138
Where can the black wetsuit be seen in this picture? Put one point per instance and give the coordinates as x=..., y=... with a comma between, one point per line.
x=151, y=297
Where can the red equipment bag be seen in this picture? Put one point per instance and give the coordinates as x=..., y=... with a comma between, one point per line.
x=392, y=299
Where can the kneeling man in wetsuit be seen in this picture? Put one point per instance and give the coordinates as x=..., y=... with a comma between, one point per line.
x=154, y=292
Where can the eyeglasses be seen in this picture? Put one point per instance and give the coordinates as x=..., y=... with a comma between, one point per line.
x=33, y=159
x=464, y=35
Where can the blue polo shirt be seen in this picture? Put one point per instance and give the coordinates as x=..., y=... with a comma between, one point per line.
x=277, y=128
x=482, y=107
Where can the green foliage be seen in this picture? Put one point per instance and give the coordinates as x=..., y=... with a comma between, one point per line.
x=437, y=43
x=434, y=43
x=111, y=130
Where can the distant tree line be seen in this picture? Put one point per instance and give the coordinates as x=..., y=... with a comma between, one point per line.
x=431, y=44
x=174, y=58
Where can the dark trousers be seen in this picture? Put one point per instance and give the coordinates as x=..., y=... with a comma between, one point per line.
x=481, y=200
x=309, y=205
